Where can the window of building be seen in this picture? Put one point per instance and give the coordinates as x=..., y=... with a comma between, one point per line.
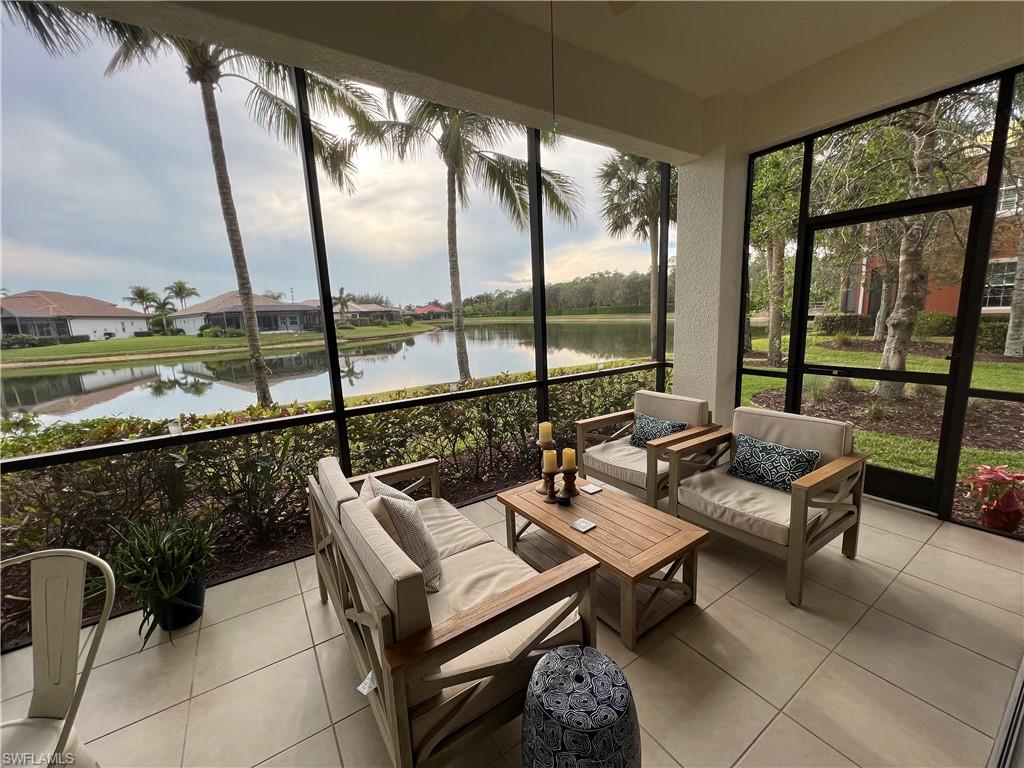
x=1008, y=197
x=999, y=284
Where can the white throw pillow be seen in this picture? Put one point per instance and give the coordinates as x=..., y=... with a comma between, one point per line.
x=370, y=496
x=400, y=517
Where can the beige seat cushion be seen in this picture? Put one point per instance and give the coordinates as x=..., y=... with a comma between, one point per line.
x=619, y=459
x=333, y=483
x=453, y=532
x=470, y=578
x=831, y=439
x=668, y=407
x=749, y=507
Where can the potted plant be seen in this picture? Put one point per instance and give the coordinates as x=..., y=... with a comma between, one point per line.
x=162, y=562
x=998, y=497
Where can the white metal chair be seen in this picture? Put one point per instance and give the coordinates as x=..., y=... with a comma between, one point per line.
x=57, y=592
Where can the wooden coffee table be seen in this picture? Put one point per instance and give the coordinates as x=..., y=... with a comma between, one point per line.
x=632, y=541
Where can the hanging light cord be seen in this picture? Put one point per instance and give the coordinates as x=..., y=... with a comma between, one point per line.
x=551, y=26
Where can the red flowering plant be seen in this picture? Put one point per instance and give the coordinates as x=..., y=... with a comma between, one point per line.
x=998, y=495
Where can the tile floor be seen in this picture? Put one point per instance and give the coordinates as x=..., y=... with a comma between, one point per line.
x=904, y=656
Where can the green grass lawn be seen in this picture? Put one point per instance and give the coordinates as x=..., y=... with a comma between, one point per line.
x=1001, y=376
x=155, y=346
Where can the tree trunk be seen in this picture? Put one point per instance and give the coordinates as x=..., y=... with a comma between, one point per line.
x=652, y=238
x=748, y=340
x=776, y=295
x=883, y=306
x=260, y=371
x=1014, y=346
x=458, y=315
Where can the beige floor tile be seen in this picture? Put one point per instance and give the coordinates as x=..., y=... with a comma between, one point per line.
x=493, y=501
x=249, y=592
x=16, y=672
x=121, y=638
x=610, y=644
x=323, y=621
x=360, y=742
x=15, y=708
x=483, y=514
x=824, y=614
x=989, y=583
x=997, y=550
x=761, y=653
x=957, y=681
x=723, y=566
x=306, y=570
x=652, y=754
x=84, y=638
x=913, y=525
x=137, y=686
x=699, y=714
x=875, y=723
x=883, y=547
x=318, y=751
x=860, y=578
x=341, y=676
x=156, y=741
x=508, y=735
x=474, y=749
x=238, y=646
x=514, y=757
x=983, y=628
x=786, y=744
x=497, y=532
x=257, y=716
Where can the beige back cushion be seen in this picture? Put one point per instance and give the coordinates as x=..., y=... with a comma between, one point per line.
x=333, y=483
x=830, y=438
x=397, y=578
x=672, y=407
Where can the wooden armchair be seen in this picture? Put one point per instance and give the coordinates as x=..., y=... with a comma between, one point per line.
x=442, y=662
x=643, y=472
x=793, y=526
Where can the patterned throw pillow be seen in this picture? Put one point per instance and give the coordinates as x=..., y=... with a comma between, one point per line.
x=414, y=538
x=770, y=464
x=372, y=494
x=647, y=428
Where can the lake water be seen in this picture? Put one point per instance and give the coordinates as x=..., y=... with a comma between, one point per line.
x=160, y=390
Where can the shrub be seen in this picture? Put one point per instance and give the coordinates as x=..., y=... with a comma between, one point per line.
x=992, y=334
x=233, y=332
x=842, y=339
x=211, y=332
x=925, y=390
x=830, y=323
x=930, y=324
x=407, y=320
x=25, y=341
x=839, y=386
x=143, y=334
x=78, y=338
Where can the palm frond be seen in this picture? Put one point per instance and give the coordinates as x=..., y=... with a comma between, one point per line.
x=61, y=31
x=141, y=47
x=505, y=179
x=562, y=196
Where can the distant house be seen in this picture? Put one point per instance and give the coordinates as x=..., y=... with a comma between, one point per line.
x=53, y=313
x=225, y=311
x=430, y=312
x=356, y=313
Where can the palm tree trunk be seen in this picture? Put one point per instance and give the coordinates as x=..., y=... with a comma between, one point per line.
x=260, y=370
x=1014, y=345
x=458, y=315
x=652, y=238
x=776, y=295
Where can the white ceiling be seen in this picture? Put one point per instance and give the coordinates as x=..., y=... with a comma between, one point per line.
x=707, y=48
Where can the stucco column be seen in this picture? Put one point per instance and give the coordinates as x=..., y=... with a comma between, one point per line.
x=712, y=192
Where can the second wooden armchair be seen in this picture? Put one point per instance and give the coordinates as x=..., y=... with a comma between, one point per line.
x=643, y=472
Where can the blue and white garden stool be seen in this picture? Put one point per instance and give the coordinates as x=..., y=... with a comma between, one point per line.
x=579, y=713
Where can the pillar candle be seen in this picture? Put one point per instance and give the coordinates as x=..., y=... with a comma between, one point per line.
x=550, y=463
x=544, y=431
x=568, y=459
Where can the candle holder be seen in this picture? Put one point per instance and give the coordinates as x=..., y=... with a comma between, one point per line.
x=544, y=445
x=549, y=487
x=569, y=482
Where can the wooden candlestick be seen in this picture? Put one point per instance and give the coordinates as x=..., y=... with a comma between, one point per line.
x=549, y=487
x=569, y=482
x=544, y=445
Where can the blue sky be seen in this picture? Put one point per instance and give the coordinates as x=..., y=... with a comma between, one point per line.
x=107, y=182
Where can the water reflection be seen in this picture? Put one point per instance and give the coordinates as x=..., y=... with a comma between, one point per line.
x=167, y=389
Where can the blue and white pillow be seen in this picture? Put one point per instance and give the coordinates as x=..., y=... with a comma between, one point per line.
x=647, y=428
x=770, y=464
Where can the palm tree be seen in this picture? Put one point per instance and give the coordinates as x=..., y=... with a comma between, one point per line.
x=275, y=295
x=182, y=291
x=343, y=300
x=631, y=205
x=164, y=307
x=465, y=142
x=64, y=30
x=141, y=295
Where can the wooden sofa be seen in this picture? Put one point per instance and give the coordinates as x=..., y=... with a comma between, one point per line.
x=642, y=472
x=793, y=526
x=445, y=661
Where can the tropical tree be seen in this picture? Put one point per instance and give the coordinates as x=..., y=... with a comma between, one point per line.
x=163, y=307
x=275, y=295
x=63, y=30
x=631, y=205
x=1013, y=176
x=343, y=301
x=140, y=295
x=181, y=291
x=466, y=143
